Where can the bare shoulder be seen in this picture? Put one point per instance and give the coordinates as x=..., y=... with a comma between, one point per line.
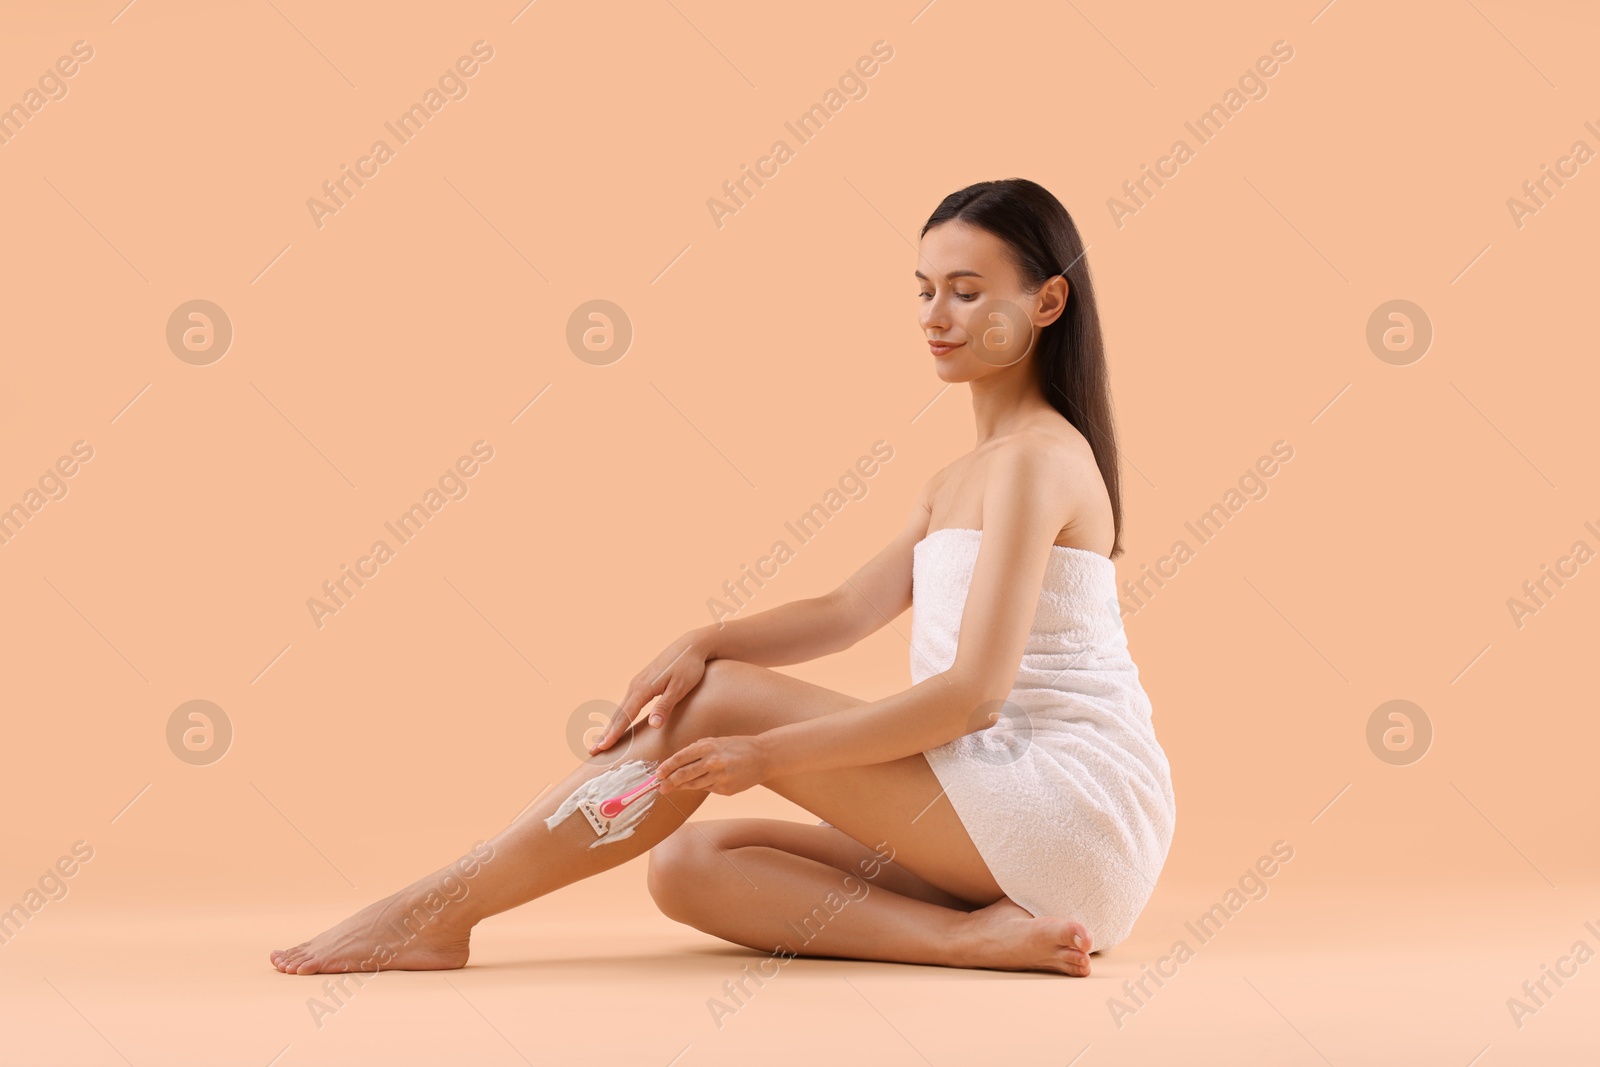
x=1051, y=456
x=1053, y=460
x=933, y=488
x=1044, y=469
x=1026, y=466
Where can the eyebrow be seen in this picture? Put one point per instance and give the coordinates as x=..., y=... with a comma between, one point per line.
x=954, y=274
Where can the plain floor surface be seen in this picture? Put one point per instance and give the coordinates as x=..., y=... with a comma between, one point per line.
x=591, y=975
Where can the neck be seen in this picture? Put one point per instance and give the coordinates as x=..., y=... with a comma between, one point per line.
x=1003, y=402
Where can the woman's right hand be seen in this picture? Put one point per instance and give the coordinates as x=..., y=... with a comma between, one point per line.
x=670, y=676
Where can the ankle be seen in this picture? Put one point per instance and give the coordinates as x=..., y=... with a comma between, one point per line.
x=450, y=905
x=967, y=938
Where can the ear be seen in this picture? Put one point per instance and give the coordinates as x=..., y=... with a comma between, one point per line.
x=1052, y=301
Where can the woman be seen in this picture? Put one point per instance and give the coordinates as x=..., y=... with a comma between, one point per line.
x=1011, y=809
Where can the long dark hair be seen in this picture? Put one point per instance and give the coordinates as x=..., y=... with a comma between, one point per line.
x=1070, y=354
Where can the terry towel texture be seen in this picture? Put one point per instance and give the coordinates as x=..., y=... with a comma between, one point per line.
x=1069, y=795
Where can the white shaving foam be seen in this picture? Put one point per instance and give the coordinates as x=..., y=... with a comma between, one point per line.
x=602, y=787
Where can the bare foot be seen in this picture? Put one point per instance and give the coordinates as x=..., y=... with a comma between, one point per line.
x=417, y=929
x=1004, y=936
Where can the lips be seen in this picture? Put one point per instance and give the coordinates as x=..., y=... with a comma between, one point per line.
x=939, y=348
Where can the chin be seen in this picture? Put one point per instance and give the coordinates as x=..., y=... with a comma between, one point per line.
x=954, y=372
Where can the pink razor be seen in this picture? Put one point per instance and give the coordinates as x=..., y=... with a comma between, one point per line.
x=610, y=809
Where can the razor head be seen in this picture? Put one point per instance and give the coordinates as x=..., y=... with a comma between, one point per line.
x=600, y=823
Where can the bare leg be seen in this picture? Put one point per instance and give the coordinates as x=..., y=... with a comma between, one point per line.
x=792, y=889
x=428, y=924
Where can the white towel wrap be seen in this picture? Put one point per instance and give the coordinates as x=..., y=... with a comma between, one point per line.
x=1068, y=799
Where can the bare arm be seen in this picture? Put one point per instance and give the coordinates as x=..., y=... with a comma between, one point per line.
x=788, y=633
x=1026, y=503
x=817, y=626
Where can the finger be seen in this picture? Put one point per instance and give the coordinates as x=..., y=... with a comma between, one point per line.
x=665, y=684
x=666, y=702
x=640, y=694
x=659, y=681
x=665, y=772
x=623, y=717
x=684, y=768
x=687, y=754
x=613, y=728
x=619, y=722
x=695, y=776
x=665, y=768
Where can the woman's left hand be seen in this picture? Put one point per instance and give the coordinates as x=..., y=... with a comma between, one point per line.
x=724, y=765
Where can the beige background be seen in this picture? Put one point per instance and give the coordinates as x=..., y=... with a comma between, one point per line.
x=767, y=355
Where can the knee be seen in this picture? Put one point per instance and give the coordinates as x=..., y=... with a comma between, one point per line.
x=707, y=709
x=677, y=866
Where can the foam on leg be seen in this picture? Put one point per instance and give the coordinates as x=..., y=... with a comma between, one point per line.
x=602, y=787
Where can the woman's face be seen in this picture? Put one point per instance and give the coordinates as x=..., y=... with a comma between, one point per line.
x=974, y=312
